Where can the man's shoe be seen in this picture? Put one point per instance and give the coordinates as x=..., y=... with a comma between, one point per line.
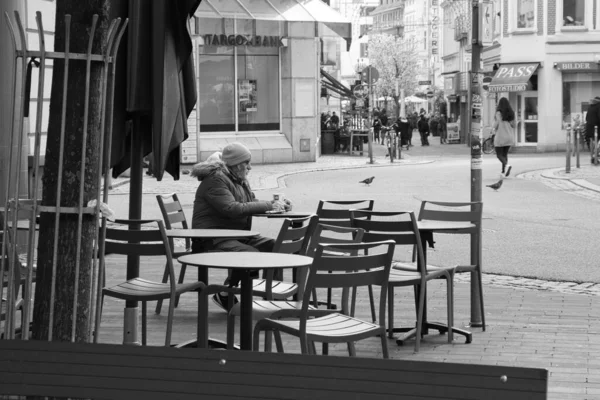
x=508, y=170
x=223, y=301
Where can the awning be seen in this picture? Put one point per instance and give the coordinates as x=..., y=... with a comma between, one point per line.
x=332, y=84
x=328, y=21
x=513, y=77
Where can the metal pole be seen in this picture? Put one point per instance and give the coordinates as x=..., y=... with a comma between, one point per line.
x=371, y=103
x=476, y=164
x=568, y=165
x=577, y=132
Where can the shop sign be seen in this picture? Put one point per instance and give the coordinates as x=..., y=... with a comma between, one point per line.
x=453, y=98
x=244, y=40
x=434, y=23
x=521, y=87
x=577, y=66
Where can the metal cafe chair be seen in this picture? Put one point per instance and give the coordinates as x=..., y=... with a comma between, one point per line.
x=401, y=227
x=337, y=212
x=172, y=213
x=121, y=238
x=340, y=272
x=293, y=238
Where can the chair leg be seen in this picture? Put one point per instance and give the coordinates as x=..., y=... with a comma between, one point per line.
x=268, y=341
x=165, y=279
x=278, y=341
x=256, y=337
x=230, y=331
x=144, y=323
x=420, y=319
x=303, y=345
x=353, y=304
x=351, y=349
x=450, y=295
x=180, y=281
x=98, y=320
x=481, y=299
x=372, y=301
x=313, y=348
x=384, y=346
x=390, y=305
x=170, y=321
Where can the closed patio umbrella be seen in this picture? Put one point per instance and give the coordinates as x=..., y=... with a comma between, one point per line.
x=155, y=93
x=159, y=85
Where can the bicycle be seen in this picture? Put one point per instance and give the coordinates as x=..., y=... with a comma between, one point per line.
x=488, y=145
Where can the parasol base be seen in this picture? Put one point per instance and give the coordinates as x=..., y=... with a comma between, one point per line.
x=130, y=327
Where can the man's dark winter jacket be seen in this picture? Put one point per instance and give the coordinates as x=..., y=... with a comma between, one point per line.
x=222, y=200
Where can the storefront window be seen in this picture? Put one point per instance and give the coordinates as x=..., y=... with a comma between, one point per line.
x=525, y=14
x=578, y=89
x=253, y=88
x=573, y=12
x=527, y=118
x=258, y=90
x=216, y=89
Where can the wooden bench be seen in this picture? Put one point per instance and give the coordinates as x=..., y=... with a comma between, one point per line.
x=83, y=370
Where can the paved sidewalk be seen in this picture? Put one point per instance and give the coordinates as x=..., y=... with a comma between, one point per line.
x=532, y=323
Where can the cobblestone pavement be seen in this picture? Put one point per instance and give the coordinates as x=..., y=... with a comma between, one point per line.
x=583, y=182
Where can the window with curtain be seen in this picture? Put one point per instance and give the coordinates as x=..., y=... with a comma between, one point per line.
x=525, y=14
x=252, y=87
x=573, y=12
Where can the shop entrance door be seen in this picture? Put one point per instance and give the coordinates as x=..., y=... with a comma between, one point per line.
x=527, y=118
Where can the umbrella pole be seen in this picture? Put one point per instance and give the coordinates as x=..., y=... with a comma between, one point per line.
x=130, y=326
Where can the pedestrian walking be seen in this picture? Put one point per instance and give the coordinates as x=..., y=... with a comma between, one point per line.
x=592, y=120
x=376, y=130
x=504, y=138
x=423, y=126
x=443, y=129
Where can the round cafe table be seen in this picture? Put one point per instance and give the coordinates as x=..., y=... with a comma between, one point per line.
x=202, y=330
x=246, y=262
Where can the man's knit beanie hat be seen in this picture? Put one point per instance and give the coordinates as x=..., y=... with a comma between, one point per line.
x=235, y=153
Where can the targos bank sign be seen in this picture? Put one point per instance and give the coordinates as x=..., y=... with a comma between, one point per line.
x=512, y=77
x=244, y=40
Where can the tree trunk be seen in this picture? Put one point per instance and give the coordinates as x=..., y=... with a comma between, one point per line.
x=63, y=302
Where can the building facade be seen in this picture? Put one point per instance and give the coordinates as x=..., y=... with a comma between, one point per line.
x=258, y=74
x=544, y=57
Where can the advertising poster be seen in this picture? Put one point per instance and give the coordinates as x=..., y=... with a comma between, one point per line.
x=247, y=95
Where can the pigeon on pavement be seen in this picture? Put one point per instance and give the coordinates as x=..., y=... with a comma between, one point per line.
x=496, y=185
x=367, y=181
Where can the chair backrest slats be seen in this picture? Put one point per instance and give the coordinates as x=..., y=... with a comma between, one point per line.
x=364, y=264
x=175, y=218
x=343, y=262
x=447, y=211
x=294, y=235
x=382, y=226
x=332, y=234
x=150, y=235
x=141, y=249
x=403, y=229
x=143, y=241
x=349, y=279
x=449, y=215
x=339, y=215
x=172, y=213
x=401, y=239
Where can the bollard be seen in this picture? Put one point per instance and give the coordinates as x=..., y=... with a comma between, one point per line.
x=577, y=136
x=595, y=148
x=568, y=166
